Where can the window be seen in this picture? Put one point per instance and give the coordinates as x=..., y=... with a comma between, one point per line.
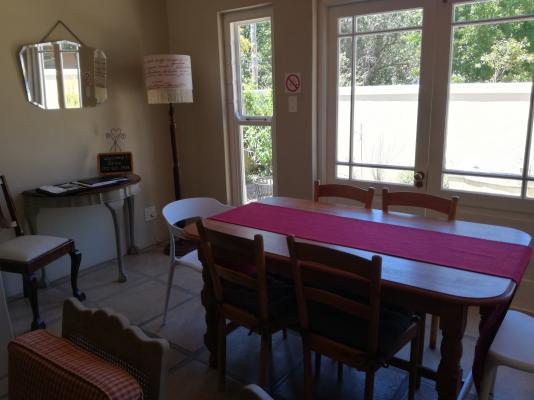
x=378, y=74
x=441, y=88
x=489, y=108
x=249, y=53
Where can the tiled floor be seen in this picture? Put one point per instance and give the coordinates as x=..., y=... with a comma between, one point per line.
x=141, y=300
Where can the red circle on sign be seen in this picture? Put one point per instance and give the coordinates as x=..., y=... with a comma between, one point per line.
x=292, y=83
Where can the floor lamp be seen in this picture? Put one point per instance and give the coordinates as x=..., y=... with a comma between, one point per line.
x=168, y=80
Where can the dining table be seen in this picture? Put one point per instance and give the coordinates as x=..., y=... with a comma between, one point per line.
x=425, y=287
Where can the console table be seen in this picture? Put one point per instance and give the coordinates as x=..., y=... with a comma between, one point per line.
x=114, y=197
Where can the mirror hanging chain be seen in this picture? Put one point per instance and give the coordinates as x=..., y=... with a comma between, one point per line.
x=60, y=22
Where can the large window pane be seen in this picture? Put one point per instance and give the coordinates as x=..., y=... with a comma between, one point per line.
x=390, y=20
x=344, y=98
x=386, y=98
x=257, y=162
x=255, y=62
x=384, y=175
x=489, y=101
x=378, y=89
x=496, y=186
x=489, y=9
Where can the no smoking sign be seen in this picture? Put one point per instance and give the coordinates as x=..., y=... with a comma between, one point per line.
x=293, y=83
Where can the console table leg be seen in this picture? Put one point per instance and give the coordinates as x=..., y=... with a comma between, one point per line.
x=113, y=207
x=132, y=248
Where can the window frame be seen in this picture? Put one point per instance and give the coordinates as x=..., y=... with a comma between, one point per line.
x=231, y=98
x=436, y=82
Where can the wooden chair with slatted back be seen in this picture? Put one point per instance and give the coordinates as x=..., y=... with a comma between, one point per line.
x=340, y=315
x=430, y=202
x=364, y=196
x=245, y=294
x=26, y=254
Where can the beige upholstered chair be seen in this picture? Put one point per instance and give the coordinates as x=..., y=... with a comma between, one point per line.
x=26, y=254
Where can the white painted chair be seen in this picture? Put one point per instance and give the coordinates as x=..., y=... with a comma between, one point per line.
x=180, y=210
x=512, y=347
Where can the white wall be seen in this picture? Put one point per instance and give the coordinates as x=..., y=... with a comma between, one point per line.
x=40, y=147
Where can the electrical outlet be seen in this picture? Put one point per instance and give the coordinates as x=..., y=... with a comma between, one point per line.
x=150, y=213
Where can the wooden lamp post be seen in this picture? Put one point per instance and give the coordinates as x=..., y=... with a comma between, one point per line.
x=168, y=80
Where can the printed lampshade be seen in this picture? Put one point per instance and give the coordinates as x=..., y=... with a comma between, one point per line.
x=168, y=78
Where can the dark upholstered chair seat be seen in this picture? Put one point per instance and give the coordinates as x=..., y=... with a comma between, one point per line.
x=352, y=331
x=281, y=298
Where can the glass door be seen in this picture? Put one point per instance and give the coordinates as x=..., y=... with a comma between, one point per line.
x=377, y=57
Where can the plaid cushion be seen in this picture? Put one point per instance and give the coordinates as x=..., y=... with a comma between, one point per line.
x=47, y=367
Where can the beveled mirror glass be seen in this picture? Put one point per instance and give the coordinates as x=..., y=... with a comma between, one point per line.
x=63, y=74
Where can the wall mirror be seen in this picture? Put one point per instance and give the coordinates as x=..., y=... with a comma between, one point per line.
x=63, y=74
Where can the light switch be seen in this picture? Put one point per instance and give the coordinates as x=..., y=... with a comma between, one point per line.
x=292, y=103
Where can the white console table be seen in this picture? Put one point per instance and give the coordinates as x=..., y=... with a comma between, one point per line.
x=114, y=197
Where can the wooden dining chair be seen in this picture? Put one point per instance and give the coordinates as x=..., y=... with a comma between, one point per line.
x=245, y=294
x=26, y=254
x=364, y=196
x=426, y=201
x=340, y=315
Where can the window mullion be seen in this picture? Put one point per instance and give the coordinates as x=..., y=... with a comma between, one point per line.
x=528, y=144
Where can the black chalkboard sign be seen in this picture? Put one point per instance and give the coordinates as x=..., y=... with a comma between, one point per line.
x=114, y=163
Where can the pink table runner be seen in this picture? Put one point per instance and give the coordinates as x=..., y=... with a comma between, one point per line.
x=505, y=260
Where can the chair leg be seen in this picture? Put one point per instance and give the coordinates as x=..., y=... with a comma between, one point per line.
x=369, y=384
x=30, y=280
x=75, y=260
x=421, y=341
x=264, y=358
x=172, y=266
x=339, y=371
x=434, y=327
x=317, y=366
x=308, y=382
x=488, y=381
x=284, y=333
x=221, y=353
x=414, y=366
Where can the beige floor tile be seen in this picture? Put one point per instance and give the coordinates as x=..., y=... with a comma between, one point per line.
x=186, y=278
x=195, y=381
x=142, y=302
x=50, y=308
x=175, y=358
x=101, y=282
x=185, y=325
x=151, y=263
x=242, y=356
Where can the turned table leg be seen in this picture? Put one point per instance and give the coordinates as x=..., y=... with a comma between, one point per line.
x=132, y=248
x=453, y=323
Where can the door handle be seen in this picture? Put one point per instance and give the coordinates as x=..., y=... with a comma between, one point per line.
x=418, y=179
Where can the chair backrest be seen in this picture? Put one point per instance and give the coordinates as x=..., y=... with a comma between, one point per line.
x=341, y=281
x=4, y=222
x=364, y=196
x=194, y=207
x=228, y=257
x=111, y=337
x=420, y=200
